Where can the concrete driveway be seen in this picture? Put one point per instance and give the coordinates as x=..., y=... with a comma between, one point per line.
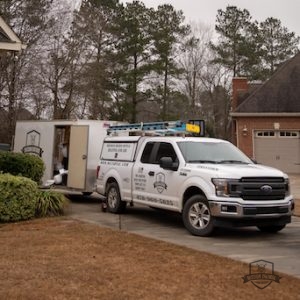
x=246, y=244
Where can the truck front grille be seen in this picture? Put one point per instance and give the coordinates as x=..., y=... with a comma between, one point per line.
x=259, y=188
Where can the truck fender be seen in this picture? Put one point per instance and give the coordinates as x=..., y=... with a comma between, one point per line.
x=113, y=174
x=194, y=182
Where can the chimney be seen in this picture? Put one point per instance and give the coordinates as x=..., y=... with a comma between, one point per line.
x=239, y=84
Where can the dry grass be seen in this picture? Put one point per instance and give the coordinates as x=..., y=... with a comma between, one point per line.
x=60, y=258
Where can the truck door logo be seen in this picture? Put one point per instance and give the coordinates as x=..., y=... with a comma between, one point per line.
x=160, y=183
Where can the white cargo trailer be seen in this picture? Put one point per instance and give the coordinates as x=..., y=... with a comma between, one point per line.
x=47, y=139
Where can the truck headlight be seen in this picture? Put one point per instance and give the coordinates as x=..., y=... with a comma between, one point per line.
x=287, y=186
x=221, y=185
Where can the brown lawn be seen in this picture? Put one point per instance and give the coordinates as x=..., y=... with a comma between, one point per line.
x=61, y=258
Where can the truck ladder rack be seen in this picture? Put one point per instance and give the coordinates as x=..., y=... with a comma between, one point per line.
x=192, y=127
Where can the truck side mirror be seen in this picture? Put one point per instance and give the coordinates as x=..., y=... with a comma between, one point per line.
x=167, y=163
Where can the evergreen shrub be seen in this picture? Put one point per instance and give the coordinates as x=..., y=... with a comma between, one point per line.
x=25, y=165
x=18, y=198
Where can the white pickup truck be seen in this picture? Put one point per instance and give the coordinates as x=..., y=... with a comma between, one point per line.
x=209, y=181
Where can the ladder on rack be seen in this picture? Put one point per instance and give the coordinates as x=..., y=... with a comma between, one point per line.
x=164, y=128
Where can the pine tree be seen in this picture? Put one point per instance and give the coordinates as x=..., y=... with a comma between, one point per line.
x=168, y=30
x=251, y=49
x=234, y=27
x=132, y=55
x=278, y=44
x=93, y=26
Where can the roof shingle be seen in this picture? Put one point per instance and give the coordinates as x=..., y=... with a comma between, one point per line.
x=281, y=93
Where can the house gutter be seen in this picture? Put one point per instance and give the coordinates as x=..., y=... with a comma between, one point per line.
x=267, y=114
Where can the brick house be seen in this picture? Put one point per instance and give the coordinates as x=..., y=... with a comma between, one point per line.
x=266, y=117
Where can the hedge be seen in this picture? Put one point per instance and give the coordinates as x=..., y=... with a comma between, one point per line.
x=25, y=165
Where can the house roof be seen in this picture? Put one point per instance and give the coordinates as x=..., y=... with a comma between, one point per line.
x=9, y=41
x=22, y=114
x=280, y=94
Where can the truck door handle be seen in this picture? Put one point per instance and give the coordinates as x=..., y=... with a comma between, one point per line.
x=151, y=173
x=84, y=156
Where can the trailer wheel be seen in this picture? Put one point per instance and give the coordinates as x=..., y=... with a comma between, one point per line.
x=197, y=217
x=113, y=199
x=271, y=228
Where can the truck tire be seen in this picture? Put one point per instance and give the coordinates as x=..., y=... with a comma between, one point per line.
x=271, y=228
x=197, y=217
x=114, y=203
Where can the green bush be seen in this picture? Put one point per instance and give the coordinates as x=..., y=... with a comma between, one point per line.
x=18, y=198
x=50, y=203
x=20, y=164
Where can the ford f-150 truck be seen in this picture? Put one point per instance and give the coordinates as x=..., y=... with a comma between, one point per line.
x=209, y=181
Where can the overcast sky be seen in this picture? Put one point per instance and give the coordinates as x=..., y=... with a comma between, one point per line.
x=287, y=11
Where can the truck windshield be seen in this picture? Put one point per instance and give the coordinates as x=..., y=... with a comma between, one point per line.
x=212, y=152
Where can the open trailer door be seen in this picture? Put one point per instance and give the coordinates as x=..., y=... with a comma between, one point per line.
x=78, y=149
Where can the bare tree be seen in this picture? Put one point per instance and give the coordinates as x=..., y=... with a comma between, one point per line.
x=205, y=85
x=28, y=19
x=193, y=61
x=56, y=68
x=215, y=103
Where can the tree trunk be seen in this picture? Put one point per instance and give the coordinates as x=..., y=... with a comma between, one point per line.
x=165, y=93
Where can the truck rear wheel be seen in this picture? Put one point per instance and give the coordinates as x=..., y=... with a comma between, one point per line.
x=271, y=228
x=197, y=217
x=113, y=198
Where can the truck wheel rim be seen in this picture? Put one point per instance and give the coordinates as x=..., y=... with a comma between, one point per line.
x=112, y=198
x=199, y=215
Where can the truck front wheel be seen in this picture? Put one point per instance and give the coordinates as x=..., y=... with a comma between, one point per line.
x=113, y=198
x=197, y=217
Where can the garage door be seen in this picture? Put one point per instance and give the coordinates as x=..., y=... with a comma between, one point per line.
x=279, y=149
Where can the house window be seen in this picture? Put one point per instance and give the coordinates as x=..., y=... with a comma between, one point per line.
x=281, y=134
x=265, y=133
x=289, y=134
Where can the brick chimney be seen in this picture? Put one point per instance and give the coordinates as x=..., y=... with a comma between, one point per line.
x=239, y=84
